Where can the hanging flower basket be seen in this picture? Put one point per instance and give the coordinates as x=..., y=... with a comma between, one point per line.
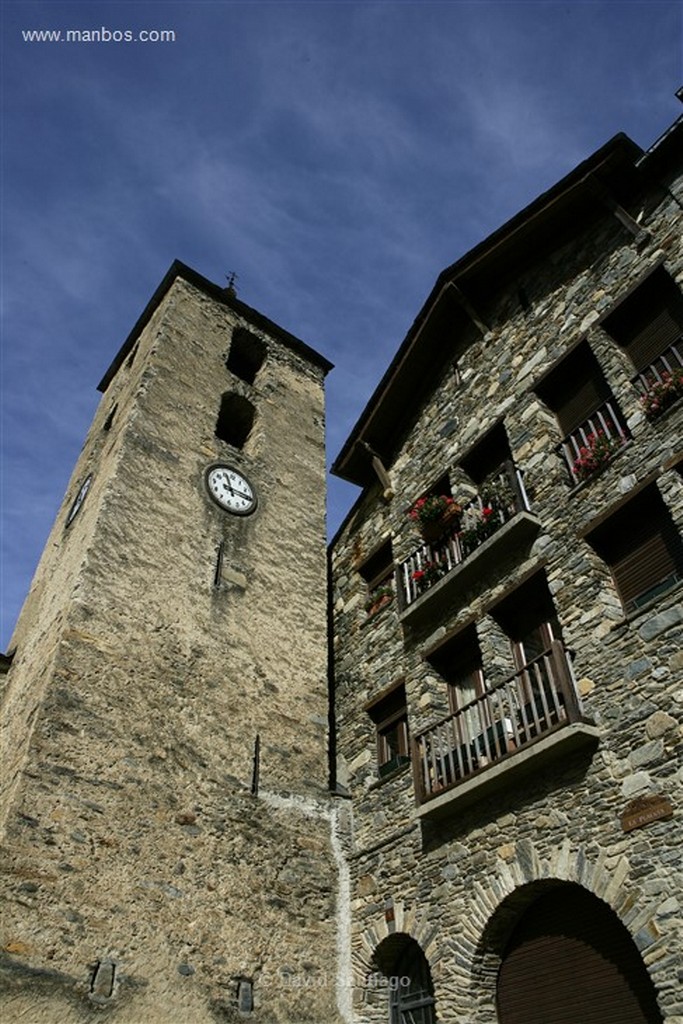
x=595, y=454
x=662, y=393
x=433, y=515
x=378, y=599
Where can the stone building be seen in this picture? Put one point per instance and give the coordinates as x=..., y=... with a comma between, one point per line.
x=508, y=616
x=499, y=840
x=169, y=845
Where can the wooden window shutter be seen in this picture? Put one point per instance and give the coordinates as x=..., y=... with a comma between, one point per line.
x=575, y=389
x=642, y=547
x=649, y=321
x=654, y=338
x=656, y=555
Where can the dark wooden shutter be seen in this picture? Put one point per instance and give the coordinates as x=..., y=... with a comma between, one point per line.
x=657, y=555
x=641, y=545
x=571, y=961
x=575, y=389
x=653, y=338
x=649, y=321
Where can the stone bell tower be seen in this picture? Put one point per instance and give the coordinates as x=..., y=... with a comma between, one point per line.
x=168, y=840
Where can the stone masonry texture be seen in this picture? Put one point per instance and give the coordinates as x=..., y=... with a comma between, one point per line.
x=175, y=846
x=457, y=884
x=142, y=678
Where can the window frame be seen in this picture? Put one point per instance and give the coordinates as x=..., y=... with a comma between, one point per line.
x=657, y=303
x=379, y=570
x=657, y=546
x=389, y=713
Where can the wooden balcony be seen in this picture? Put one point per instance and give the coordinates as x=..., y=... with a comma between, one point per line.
x=593, y=444
x=660, y=384
x=506, y=732
x=484, y=530
x=661, y=368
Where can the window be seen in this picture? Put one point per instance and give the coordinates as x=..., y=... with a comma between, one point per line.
x=540, y=690
x=489, y=465
x=378, y=573
x=458, y=661
x=575, y=388
x=408, y=979
x=235, y=420
x=528, y=618
x=246, y=355
x=390, y=716
x=441, y=488
x=245, y=996
x=587, y=413
x=648, y=324
x=642, y=547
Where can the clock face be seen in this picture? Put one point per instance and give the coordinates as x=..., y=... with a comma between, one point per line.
x=78, y=500
x=231, y=490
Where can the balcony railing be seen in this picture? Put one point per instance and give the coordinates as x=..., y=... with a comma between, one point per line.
x=592, y=444
x=665, y=364
x=537, y=699
x=501, y=499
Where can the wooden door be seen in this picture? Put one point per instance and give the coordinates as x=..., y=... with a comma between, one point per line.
x=570, y=960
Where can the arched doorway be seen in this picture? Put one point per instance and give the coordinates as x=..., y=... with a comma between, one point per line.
x=570, y=960
x=407, y=978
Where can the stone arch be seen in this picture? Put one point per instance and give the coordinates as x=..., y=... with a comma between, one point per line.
x=413, y=923
x=522, y=875
x=399, y=981
x=576, y=936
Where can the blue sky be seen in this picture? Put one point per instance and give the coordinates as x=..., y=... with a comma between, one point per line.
x=335, y=155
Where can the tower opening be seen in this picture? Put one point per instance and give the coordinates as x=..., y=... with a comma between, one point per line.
x=235, y=420
x=246, y=355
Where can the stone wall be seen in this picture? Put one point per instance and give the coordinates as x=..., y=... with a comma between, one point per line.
x=458, y=885
x=146, y=669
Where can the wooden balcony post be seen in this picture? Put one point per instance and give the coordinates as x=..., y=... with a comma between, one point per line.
x=418, y=781
x=565, y=680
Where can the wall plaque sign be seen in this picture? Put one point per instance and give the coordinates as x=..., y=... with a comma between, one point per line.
x=645, y=809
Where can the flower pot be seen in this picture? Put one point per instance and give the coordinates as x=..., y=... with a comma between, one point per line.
x=434, y=529
x=379, y=604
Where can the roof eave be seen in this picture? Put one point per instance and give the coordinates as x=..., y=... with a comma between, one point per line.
x=620, y=148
